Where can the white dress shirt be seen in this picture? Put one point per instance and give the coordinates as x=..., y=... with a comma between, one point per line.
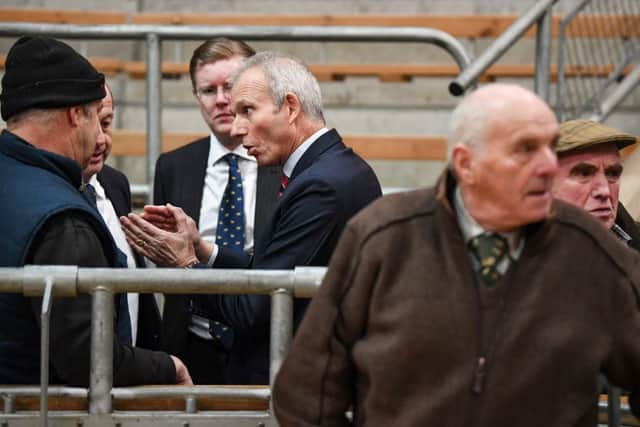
x=108, y=213
x=470, y=229
x=215, y=182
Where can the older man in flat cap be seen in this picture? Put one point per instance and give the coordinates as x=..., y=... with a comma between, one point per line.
x=589, y=174
x=51, y=100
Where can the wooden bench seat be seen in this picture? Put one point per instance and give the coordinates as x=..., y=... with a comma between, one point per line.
x=54, y=16
x=467, y=26
x=371, y=147
x=338, y=72
x=132, y=143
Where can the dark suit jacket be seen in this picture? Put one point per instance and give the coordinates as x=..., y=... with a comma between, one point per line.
x=628, y=224
x=116, y=188
x=328, y=186
x=179, y=180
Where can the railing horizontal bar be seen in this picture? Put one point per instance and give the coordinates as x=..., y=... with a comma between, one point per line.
x=280, y=33
x=34, y=391
x=130, y=393
x=302, y=282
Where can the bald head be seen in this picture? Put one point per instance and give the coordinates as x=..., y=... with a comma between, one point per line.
x=494, y=105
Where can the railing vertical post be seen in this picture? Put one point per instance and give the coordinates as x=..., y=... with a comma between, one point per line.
x=543, y=55
x=9, y=404
x=101, y=378
x=281, y=329
x=613, y=408
x=45, y=328
x=154, y=107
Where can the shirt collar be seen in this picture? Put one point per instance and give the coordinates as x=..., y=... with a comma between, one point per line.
x=470, y=228
x=294, y=158
x=100, y=194
x=217, y=151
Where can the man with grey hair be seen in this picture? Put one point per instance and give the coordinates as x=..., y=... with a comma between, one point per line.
x=463, y=304
x=207, y=167
x=278, y=117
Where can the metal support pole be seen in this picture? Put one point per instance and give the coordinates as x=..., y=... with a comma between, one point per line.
x=468, y=76
x=45, y=328
x=9, y=404
x=613, y=409
x=618, y=95
x=281, y=329
x=543, y=55
x=101, y=378
x=562, y=41
x=154, y=107
x=190, y=405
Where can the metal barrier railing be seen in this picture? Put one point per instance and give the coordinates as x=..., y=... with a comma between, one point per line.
x=614, y=41
x=155, y=34
x=102, y=283
x=539, y=13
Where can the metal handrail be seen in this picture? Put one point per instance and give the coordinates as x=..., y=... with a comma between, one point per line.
x=155, y=34
x=602, y=102
x=102, y=283
x=539, y=12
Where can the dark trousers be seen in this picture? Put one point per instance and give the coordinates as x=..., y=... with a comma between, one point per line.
x=206, y=362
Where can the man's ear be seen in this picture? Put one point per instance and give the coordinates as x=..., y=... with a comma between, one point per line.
x=74, y=115
x=462, y=162
x=294, y=108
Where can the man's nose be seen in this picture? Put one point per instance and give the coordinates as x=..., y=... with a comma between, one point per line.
x=102, y=137
x=548, y=165
x=222, y=95
x=236, y=127
x=600, y=186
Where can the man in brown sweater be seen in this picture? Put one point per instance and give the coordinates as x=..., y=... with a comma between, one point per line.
x=478, y=302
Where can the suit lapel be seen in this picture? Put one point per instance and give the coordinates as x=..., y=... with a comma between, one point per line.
x=114, y=192
x=193, y=182
x=266, y=196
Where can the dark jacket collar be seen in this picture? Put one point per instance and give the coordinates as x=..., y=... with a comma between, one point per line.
x=537, y=232
x=319, y=146
x=625, y=221
x=14, y=146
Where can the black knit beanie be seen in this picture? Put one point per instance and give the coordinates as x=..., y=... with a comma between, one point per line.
x=42, y=72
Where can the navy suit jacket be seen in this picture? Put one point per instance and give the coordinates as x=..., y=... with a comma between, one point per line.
x=116, y=188
x=328, y=186
x=179, y=180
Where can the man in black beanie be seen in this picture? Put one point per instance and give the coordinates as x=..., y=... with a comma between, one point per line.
x=51, y=98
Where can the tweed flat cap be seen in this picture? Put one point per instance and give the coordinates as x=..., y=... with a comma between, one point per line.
x=580, y=134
